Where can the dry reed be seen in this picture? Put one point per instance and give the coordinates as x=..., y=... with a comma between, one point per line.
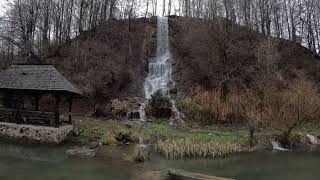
x=209, y=107
x=179, y=148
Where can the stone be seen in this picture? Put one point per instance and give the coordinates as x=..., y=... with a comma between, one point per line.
x=118, y=109
x=42, y=134
x=125, y=108
x=83, y=151
x=159, y=107
x=313, y=140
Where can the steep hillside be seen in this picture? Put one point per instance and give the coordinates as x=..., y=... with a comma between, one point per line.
x=108, y=62
x=214, y=53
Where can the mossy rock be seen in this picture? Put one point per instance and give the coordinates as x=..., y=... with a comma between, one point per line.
x=120, y=108
x=159, y=107
x=292, y=141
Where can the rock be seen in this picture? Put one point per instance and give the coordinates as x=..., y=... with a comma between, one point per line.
x=81, y=151
x=173, y=91
x=126, y=108
x=313, y=140
x=159, y=107
x=118, y=108
x=176, y=117
x=43, y=134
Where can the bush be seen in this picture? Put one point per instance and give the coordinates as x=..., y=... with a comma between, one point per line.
x=295, y=106
x=279, y=109
x=209, y=107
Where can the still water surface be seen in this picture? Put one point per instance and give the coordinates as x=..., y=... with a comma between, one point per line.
x=21, y=161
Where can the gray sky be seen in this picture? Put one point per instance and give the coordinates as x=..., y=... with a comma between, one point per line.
x=1, y=8
x=160, y=5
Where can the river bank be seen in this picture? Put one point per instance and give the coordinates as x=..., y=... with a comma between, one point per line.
x=181, y=142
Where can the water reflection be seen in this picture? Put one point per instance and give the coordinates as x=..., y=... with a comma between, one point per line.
x=30, y=161
x=32, y=152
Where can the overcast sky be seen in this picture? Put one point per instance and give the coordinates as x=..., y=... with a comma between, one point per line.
x=160, y=5
x=2, y=2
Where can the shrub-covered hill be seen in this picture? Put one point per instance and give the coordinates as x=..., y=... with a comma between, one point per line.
x=218, y=53
x=110, y=61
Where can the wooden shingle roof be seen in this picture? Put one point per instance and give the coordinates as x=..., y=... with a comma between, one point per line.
x=35, y=77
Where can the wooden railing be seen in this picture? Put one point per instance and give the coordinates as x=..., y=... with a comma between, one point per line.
x=26, y=117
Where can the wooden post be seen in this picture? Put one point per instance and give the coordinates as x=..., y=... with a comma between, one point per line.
x=19, y=107
x=56, y=109
x=36, y=102
x=70, y=109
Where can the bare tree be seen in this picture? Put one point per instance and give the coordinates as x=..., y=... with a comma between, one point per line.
x=31, y=26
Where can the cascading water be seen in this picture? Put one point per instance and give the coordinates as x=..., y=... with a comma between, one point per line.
x=276, y=146
x=159, y=79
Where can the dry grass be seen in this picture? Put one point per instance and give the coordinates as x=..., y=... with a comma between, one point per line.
x=295, y=106
x=108, y=139
x=280, y=109
x=209, y=107
x=180, y=148
x=300, y=101
x=138, y=155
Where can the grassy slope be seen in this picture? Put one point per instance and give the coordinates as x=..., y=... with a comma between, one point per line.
x=110, y=61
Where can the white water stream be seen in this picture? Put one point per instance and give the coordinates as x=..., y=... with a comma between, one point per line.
x=159, y=80
x=276, y=146
x=160, y=68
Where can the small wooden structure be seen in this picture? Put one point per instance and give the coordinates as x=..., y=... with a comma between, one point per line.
x=34, y=81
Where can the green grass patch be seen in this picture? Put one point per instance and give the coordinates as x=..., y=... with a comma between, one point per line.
x=174, y=142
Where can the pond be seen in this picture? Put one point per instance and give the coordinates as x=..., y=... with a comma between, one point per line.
x=19, y=161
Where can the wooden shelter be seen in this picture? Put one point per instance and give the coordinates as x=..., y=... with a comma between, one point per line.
x=34, y=82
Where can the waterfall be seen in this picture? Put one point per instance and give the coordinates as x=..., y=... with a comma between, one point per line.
x=160, y=68
x=276, y=146
x=159, y=80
